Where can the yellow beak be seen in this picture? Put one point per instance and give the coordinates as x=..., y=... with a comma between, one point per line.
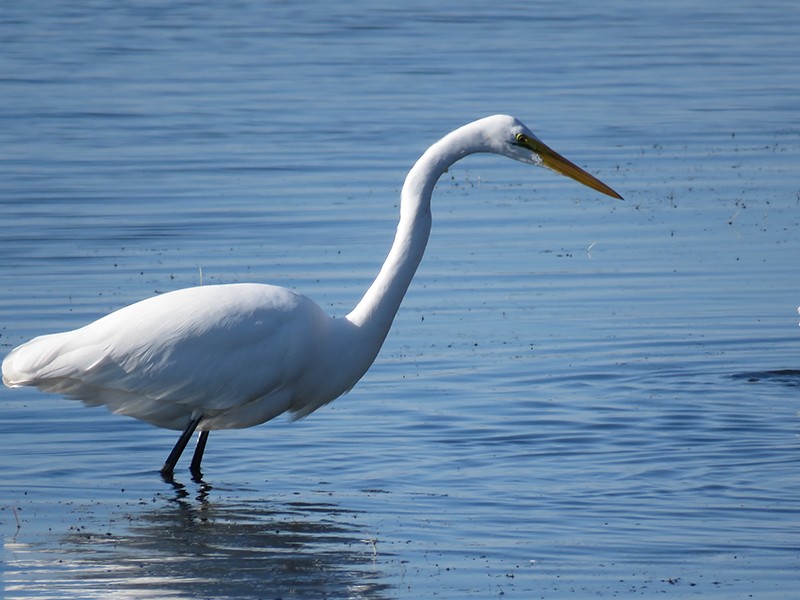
x=553, y=160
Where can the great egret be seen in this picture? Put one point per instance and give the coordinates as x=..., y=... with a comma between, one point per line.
x=236, y=355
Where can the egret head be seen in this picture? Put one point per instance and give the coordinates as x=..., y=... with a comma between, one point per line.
x=510, y=137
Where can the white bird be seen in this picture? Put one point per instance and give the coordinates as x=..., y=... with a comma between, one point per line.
x=237, y=355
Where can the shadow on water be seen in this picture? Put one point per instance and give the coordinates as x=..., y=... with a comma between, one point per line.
x=787, y=377
x=189, y=546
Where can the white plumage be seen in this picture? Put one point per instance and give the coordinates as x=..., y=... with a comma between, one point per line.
x=232, y=356
x=238, y=354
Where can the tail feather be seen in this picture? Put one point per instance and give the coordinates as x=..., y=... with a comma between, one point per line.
x=55, y=365
x=47, y=357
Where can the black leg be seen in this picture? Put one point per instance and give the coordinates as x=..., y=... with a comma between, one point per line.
x=198, y=456
x=172, y=459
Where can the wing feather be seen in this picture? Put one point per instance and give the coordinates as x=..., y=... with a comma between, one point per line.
x=212, y=350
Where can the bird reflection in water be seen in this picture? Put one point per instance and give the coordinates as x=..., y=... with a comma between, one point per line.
x=188, y=548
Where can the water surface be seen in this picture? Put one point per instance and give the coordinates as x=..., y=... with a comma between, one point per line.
x=580, y=397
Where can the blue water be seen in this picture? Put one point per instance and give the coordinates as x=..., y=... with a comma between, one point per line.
x=580, y=397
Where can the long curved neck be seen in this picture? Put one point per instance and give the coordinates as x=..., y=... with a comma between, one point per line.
x=376, y=310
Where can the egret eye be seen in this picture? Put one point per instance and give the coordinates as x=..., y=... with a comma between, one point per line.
x=519, y=137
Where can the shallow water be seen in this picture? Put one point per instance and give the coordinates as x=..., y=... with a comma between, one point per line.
x=580, y=397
